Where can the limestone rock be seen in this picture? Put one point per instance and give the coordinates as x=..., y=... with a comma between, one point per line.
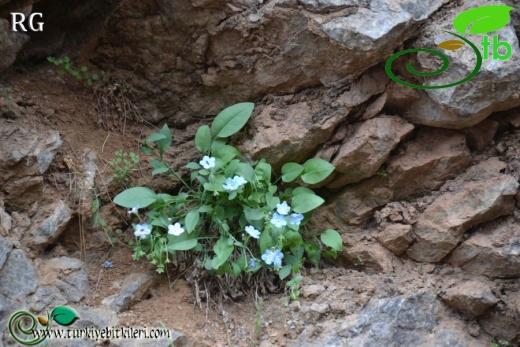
x=18, y=278
x=370, y=256
x=493, y=252
x=135, y=287
x=466, y=104
x=471, y=297
x=24, y=191
x=441, y=226
x=5, y=248
x=243, y=51
x=482, y=134
x=67, y=275
x=395, y=237
x=25, y=152
x=413, y=320
x=5, y=222
x=11, y=43
x=50, y=228
x=427, y=162
x=369, y=146
x=289, y=134
x=503, y=320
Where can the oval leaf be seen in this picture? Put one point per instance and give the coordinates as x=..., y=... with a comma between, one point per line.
x=332, y=239
x=203, y=139
x=64, y=315
x=451, y=45
x=231, y=119
x=182, y=242
x=137, y=196
x=306, y=202
x=191, y=221
x=484, y=19
x=291, y=171
x=316, y=170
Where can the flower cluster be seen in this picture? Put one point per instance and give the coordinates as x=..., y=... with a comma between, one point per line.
x=273, y=257
x=234, y=183
x=279, y=217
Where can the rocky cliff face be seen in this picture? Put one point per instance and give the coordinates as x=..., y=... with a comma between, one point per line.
x=426, y=177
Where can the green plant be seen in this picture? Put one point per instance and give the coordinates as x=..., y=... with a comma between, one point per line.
x=81, y=74
x=230, y=215
x=123, y=164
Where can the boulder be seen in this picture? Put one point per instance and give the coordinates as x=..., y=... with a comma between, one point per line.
x=368, y=147
x=471, y=297
x=18, y=278
x=367, y=255
x=427, y=162
x=67, y=275
x=481, y=135
x=135, y=287
x=471, y=102
x=440, y=228
x=395, y=237
x=196, y=57
x=493, y=251
x=11, y=43
x=48, y=228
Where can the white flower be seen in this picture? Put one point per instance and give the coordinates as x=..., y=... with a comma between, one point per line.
x=254, y=233
x=175, y=229
x=142, y=230
x=283, y=208
x=207, y=162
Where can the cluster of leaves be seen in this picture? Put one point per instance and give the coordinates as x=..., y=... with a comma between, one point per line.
x=230, y=214
x=123, y=164
x=81, y=74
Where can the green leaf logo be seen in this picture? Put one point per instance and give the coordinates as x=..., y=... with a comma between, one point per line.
x=64, y=315
x=482, y=19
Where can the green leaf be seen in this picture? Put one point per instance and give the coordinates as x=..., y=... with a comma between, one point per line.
x=484, y=19
x=165, y=143
x=183, y=242
x=231, y=168
x=301, y=190
x=136, y=196
x=155, y=137
x=231, y=119
x=223, y=250
x=316, y=170
x=265, y=242
x=245, y=170
x=332, y=239
x=205, y=209
x=84, y=69
x=191, y=220
x=285, y=271
x=306, y=202
x=271, y=200
x=313, y=252
x=226, y=153
x=193, y=166
x=291, y=171
x=159, y=170
x=253, y=214
x=203, y=139
x=263, y=171
x=64, y=315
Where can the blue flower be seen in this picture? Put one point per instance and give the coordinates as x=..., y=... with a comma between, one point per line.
x=274, y=258
x=254, y=233
x=133, y=210
x=296, y=218
x=230, y=184
x=268, y=257
x=277, y=258
x=142, y=230
x=252, y=263
x=108, y=264
x=207, y=162
x=278, y=220
x=283, y=208
x=240, y=180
